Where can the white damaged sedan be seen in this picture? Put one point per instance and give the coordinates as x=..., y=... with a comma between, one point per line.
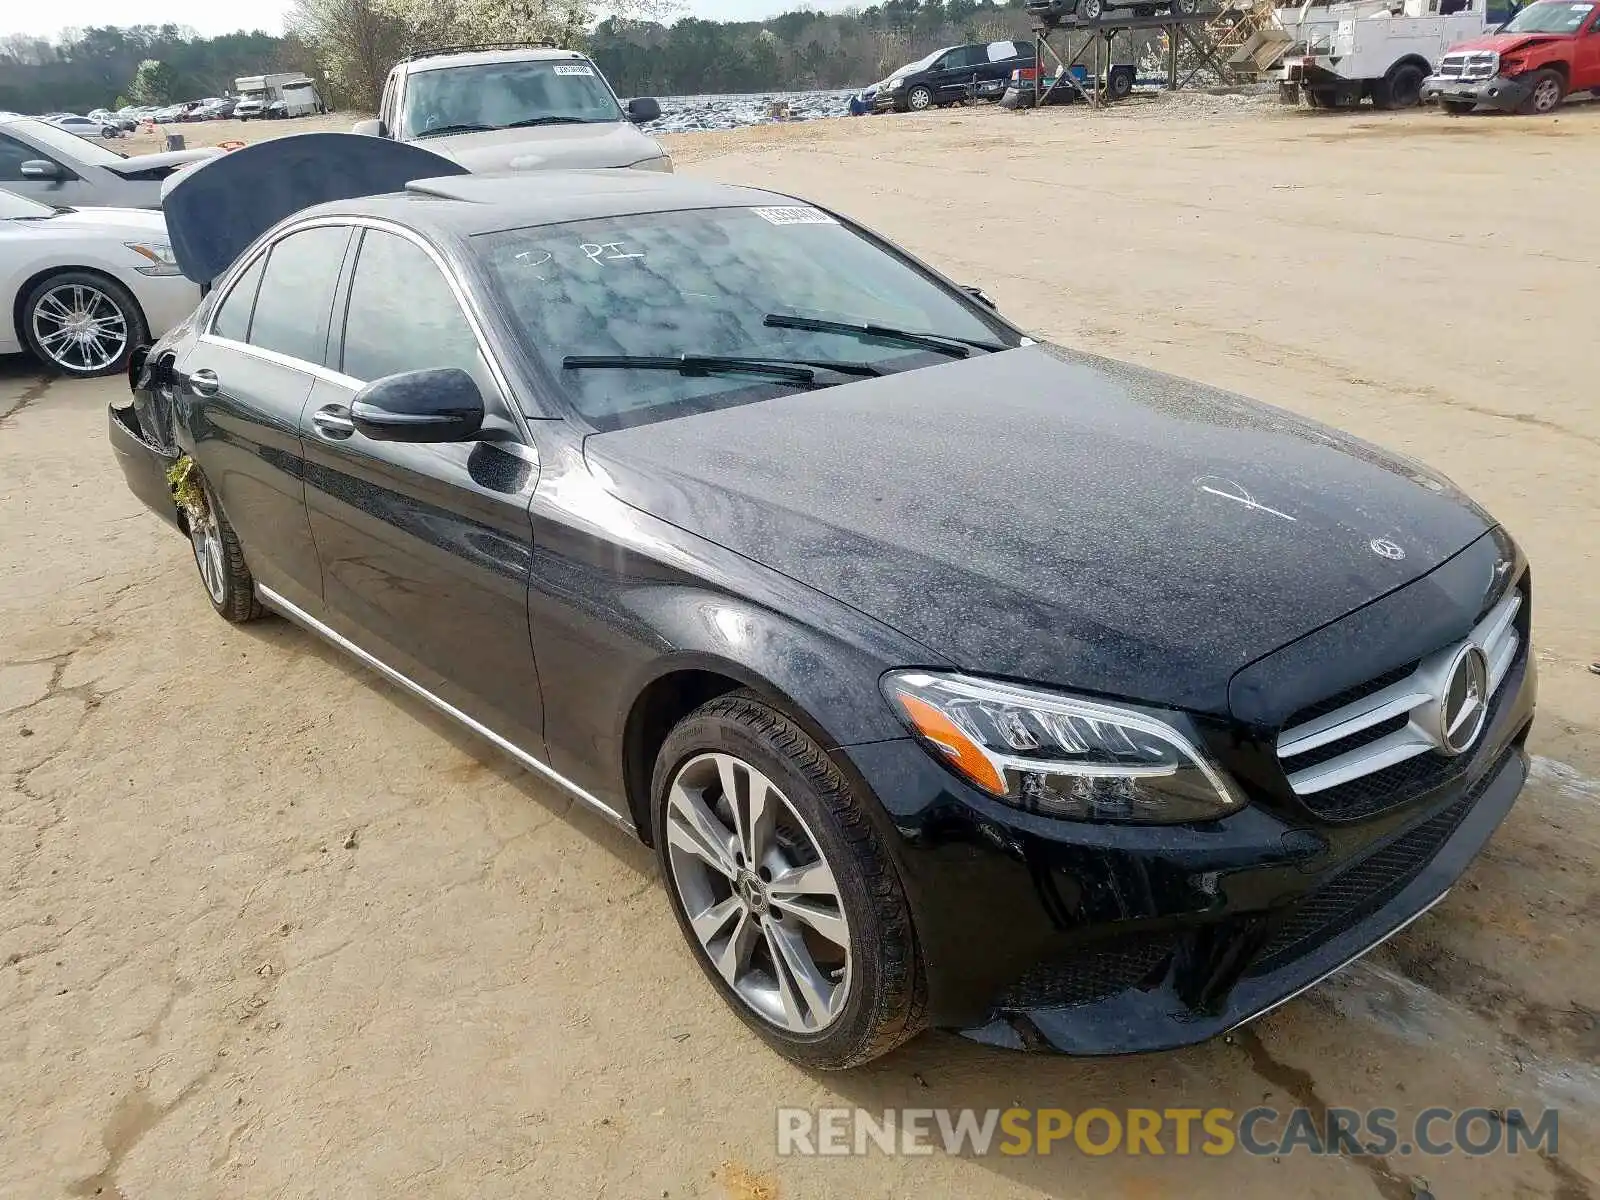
x=83, y=287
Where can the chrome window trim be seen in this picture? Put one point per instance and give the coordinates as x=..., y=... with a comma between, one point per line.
x=298, y=615
x=507, y=395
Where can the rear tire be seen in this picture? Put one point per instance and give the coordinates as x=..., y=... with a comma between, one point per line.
x=1549, y=90
x=709, y=842
x=220, y=559
x=1091, y=10
x=1185, y=8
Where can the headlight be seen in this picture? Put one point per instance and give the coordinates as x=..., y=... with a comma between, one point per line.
x=159, y=256
x=1059, y=756
x=896, y=84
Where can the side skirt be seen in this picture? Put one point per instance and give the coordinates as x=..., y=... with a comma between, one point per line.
x=300, y=617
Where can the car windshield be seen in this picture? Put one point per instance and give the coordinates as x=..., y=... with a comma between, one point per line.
x=706, y=282
x=13, y=207
x=70, y=144
x=1549, y=18
x=920, y=65
x=502, y=94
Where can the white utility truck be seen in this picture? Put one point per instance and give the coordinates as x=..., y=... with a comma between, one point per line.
x=288, y=94
x=1345, y=52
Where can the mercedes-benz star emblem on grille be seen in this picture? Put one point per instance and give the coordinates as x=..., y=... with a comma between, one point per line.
x=1466, y=701
x=1384, y=548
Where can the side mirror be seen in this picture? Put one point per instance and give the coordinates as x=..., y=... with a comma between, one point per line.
x=372, y=127
x=440, y=405
x=39, y=168
x=642, y=109
x=981, y=296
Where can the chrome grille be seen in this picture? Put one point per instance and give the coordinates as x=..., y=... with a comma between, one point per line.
x=1452, y=66
x=1392, y=722
x=1475, y=64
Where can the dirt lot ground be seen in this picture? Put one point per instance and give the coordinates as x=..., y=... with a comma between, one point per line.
x=270, y=928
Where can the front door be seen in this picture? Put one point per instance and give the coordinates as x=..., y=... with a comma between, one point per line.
x=248, y=378
x=425, y=548
x=1586, y=56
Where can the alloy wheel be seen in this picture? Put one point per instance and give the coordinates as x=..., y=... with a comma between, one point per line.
x=919, y=99
x=208, y=551
x=80, y=328
x=758, y=892
x=1546, y=95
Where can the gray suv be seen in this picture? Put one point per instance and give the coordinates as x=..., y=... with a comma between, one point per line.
x=515, y=107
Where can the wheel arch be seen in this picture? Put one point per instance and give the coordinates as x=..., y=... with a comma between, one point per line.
x=25, y=289
x=1413, y=60
x=676, y=687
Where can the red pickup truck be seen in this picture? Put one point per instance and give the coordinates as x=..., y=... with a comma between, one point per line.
x=1530, y=64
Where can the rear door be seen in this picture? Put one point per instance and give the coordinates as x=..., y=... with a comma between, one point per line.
x=250, y=376
x=960, y=68
x=425, y=548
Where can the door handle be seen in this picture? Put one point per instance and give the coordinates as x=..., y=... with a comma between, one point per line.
x=204, y=382
x=333, y=421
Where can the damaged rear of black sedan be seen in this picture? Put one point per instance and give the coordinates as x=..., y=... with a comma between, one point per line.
x=956, y=679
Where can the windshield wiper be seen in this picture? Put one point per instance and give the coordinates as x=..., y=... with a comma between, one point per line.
x=795, y=370
x=943, y=343
x=442, y=130
x=547, y=121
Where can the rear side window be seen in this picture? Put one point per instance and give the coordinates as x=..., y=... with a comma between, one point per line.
x=402, y=314
x=297, y=291
x=233, y=318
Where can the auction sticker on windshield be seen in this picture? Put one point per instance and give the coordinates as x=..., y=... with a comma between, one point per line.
x=797, y=215
x=574, y=69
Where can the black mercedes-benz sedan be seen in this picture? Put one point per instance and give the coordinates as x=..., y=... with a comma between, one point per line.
x=956, y=679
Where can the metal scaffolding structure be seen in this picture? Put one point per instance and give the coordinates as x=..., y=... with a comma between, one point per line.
x=1191, y=31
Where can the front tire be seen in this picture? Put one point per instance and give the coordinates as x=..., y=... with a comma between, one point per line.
x=782, y=887
x=1185, y=8
x=919, y=99
x=82, y=324
x=1090, y=11
x=1549, y=90
x=1401, y=88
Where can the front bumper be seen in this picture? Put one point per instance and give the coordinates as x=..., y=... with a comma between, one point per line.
x=1096, y=939
x=1499, y=93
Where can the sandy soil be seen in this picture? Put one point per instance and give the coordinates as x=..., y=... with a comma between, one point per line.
x=268, y=927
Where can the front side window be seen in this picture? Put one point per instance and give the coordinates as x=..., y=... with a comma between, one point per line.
x=705, y=282
x=297, y=292
x=402, y=315
x=505, y=95
x=12, y=155
x=1557, y=16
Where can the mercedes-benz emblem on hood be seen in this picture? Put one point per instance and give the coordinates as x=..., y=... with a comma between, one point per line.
x=1384, y=548
x=1465, y=705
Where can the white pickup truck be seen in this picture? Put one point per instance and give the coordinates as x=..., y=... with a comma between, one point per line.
x=1380, y=50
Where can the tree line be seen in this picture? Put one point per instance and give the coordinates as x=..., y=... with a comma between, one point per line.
x=349, y=46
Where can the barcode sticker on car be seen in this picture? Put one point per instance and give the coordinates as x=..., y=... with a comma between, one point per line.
x=574, y=69
x=797, y=215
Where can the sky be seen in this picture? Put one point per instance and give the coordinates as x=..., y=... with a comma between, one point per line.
x=209, y=18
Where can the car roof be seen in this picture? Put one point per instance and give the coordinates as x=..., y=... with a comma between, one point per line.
x=472, y=58
x=465, y=205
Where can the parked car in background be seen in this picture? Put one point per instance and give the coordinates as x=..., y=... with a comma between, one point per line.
x=87, y=285
x=1530, y=64
x=87, y=127
x=46, y=163
x=529, y=107
x=249, y=107
x=774, y=576
x=1090, y=12
x=978, y=71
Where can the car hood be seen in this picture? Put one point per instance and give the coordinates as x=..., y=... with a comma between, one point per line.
x=1051, y=516
x=547, y=147
x=1506, y=43
x=139, y=164
x=131, y=222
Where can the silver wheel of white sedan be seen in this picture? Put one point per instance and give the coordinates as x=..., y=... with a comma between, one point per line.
x=79, y=327
x=758, y=892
